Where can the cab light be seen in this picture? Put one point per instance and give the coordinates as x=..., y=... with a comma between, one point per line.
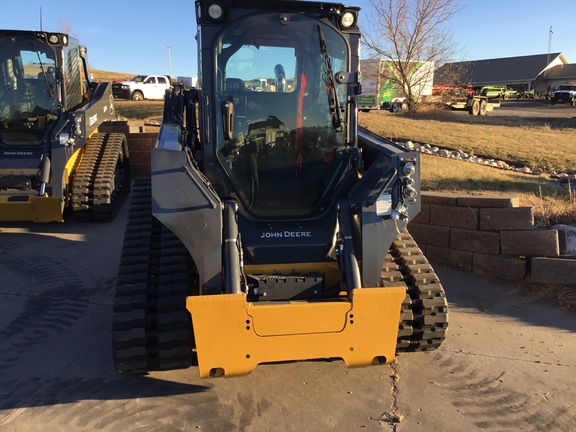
x=215, y=11
x=347, y=20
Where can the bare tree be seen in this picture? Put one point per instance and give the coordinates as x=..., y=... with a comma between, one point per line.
x=64, y=26
x=409, y=34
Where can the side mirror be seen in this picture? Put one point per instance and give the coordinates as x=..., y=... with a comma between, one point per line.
x=227, y=108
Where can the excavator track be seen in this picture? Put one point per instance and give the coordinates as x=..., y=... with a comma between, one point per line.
x=152, y=329
x=424, y=314
x=102, y=179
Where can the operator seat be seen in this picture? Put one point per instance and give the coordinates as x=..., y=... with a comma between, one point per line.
x=235, y=84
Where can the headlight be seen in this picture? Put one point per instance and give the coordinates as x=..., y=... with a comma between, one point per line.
x=57, y=39
x=347, y=19
x=215, y=11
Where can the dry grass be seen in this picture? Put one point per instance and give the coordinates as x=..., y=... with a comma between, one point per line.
x=541, y=142
x=552, y=204
x=547, y=143
x=148, y=110
x=107, y=76
x=458, y=176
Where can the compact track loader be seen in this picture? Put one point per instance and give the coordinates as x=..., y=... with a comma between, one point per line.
x=273, y=226
x=51, y=154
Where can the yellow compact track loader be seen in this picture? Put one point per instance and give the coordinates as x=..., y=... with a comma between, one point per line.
x=273, y=226
x=51, y=154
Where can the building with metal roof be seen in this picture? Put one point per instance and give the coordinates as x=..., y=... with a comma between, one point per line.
x=557, y=75
x=537, y=72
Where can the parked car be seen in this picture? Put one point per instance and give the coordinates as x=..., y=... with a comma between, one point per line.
x=566, y=93
x=142, y=87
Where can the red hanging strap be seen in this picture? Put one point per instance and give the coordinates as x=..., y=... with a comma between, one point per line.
x=299, y=122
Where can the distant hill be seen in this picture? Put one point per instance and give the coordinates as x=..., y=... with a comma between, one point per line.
x=108, y=76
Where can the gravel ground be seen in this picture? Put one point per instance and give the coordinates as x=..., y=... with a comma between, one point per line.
x=532, y=109
x=537, y=113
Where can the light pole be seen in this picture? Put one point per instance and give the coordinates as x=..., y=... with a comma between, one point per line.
x=169, y=62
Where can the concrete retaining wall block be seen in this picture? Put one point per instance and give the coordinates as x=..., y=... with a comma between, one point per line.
x=553, y=270
x=484, y=201
x=500, y=219
x=492, y=237
x=475, y=241
x=499, y=267
x=440, y=198
x=423, y=216
x=459, y=217
x=139, y=146
x=530, y=243
x=425, y=234
x=461, y=260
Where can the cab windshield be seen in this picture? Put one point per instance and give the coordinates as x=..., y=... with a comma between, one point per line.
x=280, y=114
x=28, y=102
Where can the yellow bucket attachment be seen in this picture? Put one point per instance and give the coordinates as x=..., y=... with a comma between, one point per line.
x=233, y=336
x=14, y=208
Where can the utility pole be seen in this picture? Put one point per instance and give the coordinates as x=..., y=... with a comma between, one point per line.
x=550, y=33
x=170, y=62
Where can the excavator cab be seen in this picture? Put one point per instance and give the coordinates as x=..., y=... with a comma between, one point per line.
x=283, y=116
x=28, y=99
x=277, y=222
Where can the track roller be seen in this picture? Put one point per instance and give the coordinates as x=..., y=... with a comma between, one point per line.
x=102, y=179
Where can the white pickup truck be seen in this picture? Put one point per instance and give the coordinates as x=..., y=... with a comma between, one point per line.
x=142, y=87
x=565, y=93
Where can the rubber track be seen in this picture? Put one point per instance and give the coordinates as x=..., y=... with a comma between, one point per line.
x=152, y=330
x=95, y=196
x=424, y=315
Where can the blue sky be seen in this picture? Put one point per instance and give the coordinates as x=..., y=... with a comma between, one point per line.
x=134, y=36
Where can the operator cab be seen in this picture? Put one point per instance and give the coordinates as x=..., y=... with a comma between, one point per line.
x=41, y=76
x=282, y=113
x=28, y=93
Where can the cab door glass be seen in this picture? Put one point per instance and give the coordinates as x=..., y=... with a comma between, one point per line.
x=28, y=90
x=279, y=114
